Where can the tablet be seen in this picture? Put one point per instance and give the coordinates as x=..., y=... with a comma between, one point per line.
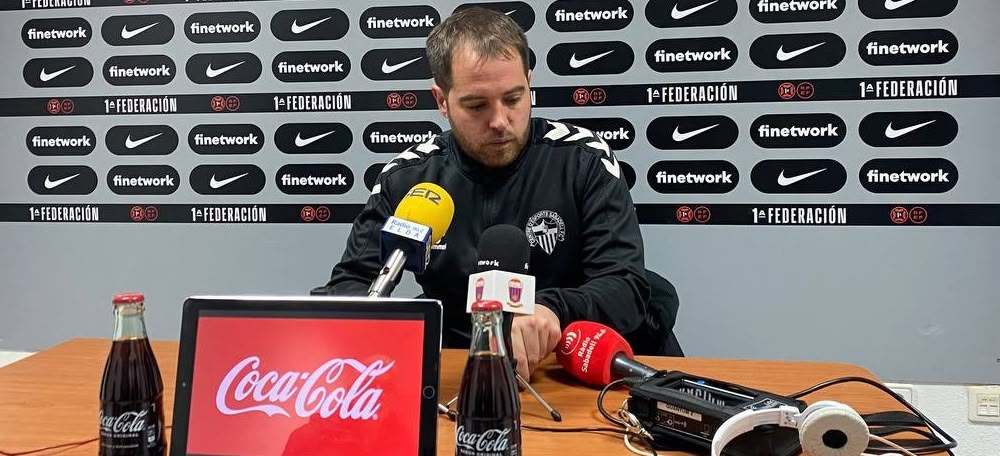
x=279, y=375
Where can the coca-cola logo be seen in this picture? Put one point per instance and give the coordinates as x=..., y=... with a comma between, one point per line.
x=488, y=441
x=125, y=423
x=306, y=393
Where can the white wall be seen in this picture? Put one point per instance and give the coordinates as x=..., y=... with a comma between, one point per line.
x=946, y=405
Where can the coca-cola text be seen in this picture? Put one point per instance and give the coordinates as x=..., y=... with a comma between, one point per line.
x=315, y=392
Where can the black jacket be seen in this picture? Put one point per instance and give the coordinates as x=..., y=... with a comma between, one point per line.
x=564, y=189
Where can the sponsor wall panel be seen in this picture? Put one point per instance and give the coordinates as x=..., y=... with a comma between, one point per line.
x=730, y=113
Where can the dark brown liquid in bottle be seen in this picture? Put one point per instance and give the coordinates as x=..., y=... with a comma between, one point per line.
x=131, y=401
x=488, y=408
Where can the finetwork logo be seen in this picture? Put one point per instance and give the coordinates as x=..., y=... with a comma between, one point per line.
x=233, y=68
x=908, y=47
x=799, y=176
x=396, y=64
x=62, y=180
x=690, y=13
x=899, y=9
x=66, y=32
x=394, y=137
x=521, y=12
x=61, y=141
x=311, y=66
x=782, y=131
x=227, y=27
x=141, y=140
x=140, y=30
x=573, y=16
x=229, y=139
x=58, y=72
x=692, y=54
x=619, y=133
x=777, y=11
x=586, y=58
x=313, y=138
x=693, y=176
x=399, y=21
x=692, y=132
x=909, y=129
x=803, y=50
x=310, y=24
x=130, y=70
x=314, y=179
x=143, y=180
x=908, y=175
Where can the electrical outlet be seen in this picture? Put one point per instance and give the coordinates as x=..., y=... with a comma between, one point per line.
x=984, y=404
x=904, y=390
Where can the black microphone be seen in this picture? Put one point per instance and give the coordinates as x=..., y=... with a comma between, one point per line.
x=503, y=248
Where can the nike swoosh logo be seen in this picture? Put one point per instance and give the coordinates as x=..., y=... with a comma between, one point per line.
x=681, y=137
x=129, y=143
x=893, y=5
x=303, y=142
x=508, y=13
x=46, y=77
x=574, y=63
x=297, y=29
x=212, y=72
x=786, y=56
x=389, y=69
x=129, y=34
x=679, y=14
x=786, y=181
x=893, y=133
x=224, y=182
x=50, y=184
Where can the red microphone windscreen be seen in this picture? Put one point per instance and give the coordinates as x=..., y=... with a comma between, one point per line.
x=586, y=350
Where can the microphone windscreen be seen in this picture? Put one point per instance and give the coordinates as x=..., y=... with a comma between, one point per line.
x=504, y=248
x=587, y=349
x=429, y=205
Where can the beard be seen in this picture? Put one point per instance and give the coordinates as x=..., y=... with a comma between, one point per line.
x=495, y=151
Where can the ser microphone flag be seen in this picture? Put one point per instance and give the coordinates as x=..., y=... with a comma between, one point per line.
x=420, y=221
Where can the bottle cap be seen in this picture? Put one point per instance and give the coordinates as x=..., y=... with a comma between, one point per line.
x=487, y=306
x=128, y=298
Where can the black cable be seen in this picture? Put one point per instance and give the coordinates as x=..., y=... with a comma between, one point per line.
x=919, y=450
x=600, y=403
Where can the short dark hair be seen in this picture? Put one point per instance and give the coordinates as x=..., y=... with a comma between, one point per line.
x=488, y=33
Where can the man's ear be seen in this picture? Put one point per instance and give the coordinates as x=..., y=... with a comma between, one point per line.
x=529, y=77
x=441, y=98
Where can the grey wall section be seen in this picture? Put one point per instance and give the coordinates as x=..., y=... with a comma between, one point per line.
x=911, y=303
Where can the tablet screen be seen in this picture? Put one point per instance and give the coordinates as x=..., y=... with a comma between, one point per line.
x=267, y=385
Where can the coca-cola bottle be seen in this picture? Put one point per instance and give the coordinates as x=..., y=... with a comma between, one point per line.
x=131, y=411
x=489, y=408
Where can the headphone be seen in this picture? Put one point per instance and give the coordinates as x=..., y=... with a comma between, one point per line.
x=826, y=428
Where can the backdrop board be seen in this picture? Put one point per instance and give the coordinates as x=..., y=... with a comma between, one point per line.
x=817, y=177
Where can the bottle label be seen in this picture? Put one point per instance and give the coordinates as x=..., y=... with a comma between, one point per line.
x=133, y=425
x=493, y=438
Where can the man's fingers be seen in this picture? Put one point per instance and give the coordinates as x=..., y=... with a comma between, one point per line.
x=517, y=348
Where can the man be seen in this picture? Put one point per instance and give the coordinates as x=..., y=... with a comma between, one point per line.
x=560, y=183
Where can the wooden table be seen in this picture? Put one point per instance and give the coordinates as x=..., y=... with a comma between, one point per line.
x=50, y=398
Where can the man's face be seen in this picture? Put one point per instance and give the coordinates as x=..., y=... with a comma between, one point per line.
x=488, y=106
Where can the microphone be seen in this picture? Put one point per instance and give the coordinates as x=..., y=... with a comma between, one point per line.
x=421, y=220
x=503, y=276
x=503, y=271
x=596, y=354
